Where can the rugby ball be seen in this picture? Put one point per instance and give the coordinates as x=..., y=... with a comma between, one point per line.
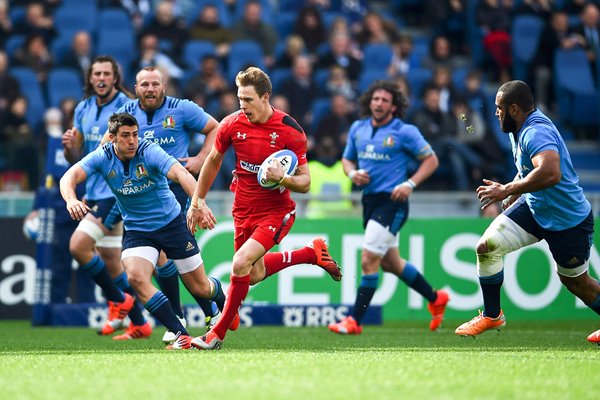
x=287, y=159
x=31, y=228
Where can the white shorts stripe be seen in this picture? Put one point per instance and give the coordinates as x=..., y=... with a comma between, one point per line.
x=145, y=252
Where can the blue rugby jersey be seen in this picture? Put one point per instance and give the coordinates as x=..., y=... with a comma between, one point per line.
x=563, y=205
x=92, y=121
x=140, y=185
x=171, y=125
x=385, y=152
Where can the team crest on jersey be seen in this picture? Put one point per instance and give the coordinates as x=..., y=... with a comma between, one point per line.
x=127, y=182
x=169, y=122
x=140, y=171
x=388, y=142
x=273, y=136
x=112, y=173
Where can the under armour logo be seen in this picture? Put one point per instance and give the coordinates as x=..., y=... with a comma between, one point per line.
x=272, y=228
x=241, y=135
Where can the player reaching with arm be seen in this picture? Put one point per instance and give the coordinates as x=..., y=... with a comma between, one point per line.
x=96, y=243
x=377, y=144
x=262, y=217
x=172, y=123
x=136, y=172
x=550, y=205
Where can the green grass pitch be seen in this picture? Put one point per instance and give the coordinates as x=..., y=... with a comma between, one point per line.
x=400, y=360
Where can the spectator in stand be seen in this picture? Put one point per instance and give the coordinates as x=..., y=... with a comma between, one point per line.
x=21, y=150
x=439, y=129
x=447, y=18
x=281, y=103
x=574, y=7
x=474, y=93
x=336, y=123
x=35, y=55
x=539, y=8
x=494, y=19
x=151, y=55
x=9, y=86
x=556, y=35
x=167, y=27
x=138, y=10
x=589, y=30
x=440, y=53
x=300, y=90
x=309, y=26
x=80, y=56
x=67, y=108
x=376, y=30
x=251, y=27
x=36, y=22
x=208, y=27
x=341, y=53
x=294, y=46
x=339, y=84
x=209, y=80
x=6, y=25
x=402, y=58
x=442, y=80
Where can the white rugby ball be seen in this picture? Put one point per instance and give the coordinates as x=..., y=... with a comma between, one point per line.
x=287, y=159
x=31, y=228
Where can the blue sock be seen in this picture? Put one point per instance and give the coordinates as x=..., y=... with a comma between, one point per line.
x=413, y=278
x=135, y=315
x=168, y=281
x=365, y=293
x=219, y=295
x=160, y=308
x=490, y=287
x=97, y=271
x=596, y=305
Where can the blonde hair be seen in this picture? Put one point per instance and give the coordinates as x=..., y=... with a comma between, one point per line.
x=254, y=76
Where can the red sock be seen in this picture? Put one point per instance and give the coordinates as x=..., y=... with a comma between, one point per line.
x=238, y=289
x=275, y=262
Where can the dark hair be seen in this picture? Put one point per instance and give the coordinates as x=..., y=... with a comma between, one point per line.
x=254, y=76
x=399, y=99
x=519, y=93
x=89, y=89
x=118, y=120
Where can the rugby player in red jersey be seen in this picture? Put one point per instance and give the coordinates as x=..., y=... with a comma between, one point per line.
x=262, y=217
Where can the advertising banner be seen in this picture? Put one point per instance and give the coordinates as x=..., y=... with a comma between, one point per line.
x=443, y=249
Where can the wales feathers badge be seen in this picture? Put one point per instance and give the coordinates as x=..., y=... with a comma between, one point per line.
x=169, y=122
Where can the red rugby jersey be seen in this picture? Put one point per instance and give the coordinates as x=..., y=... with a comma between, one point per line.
x=252, y=144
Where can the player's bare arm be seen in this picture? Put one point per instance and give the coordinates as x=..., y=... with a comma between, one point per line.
x=199, y=214
x=429, y=164
x=299, y=182
x=72, y=141
x=194, y=164
x=179, y=174
x=546, y=173
x=359, y=177
x=74, y=176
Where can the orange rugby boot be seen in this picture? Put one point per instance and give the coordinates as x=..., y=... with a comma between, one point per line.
x=437, y=309
x=135, y=332
x=116, y=314
x=347, y=326
x=210, y=341
x=594, y=337
x=324, y=259
x=182, y=342
x=480, y=324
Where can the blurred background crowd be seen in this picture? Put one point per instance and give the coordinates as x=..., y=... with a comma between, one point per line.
x=449, y=56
